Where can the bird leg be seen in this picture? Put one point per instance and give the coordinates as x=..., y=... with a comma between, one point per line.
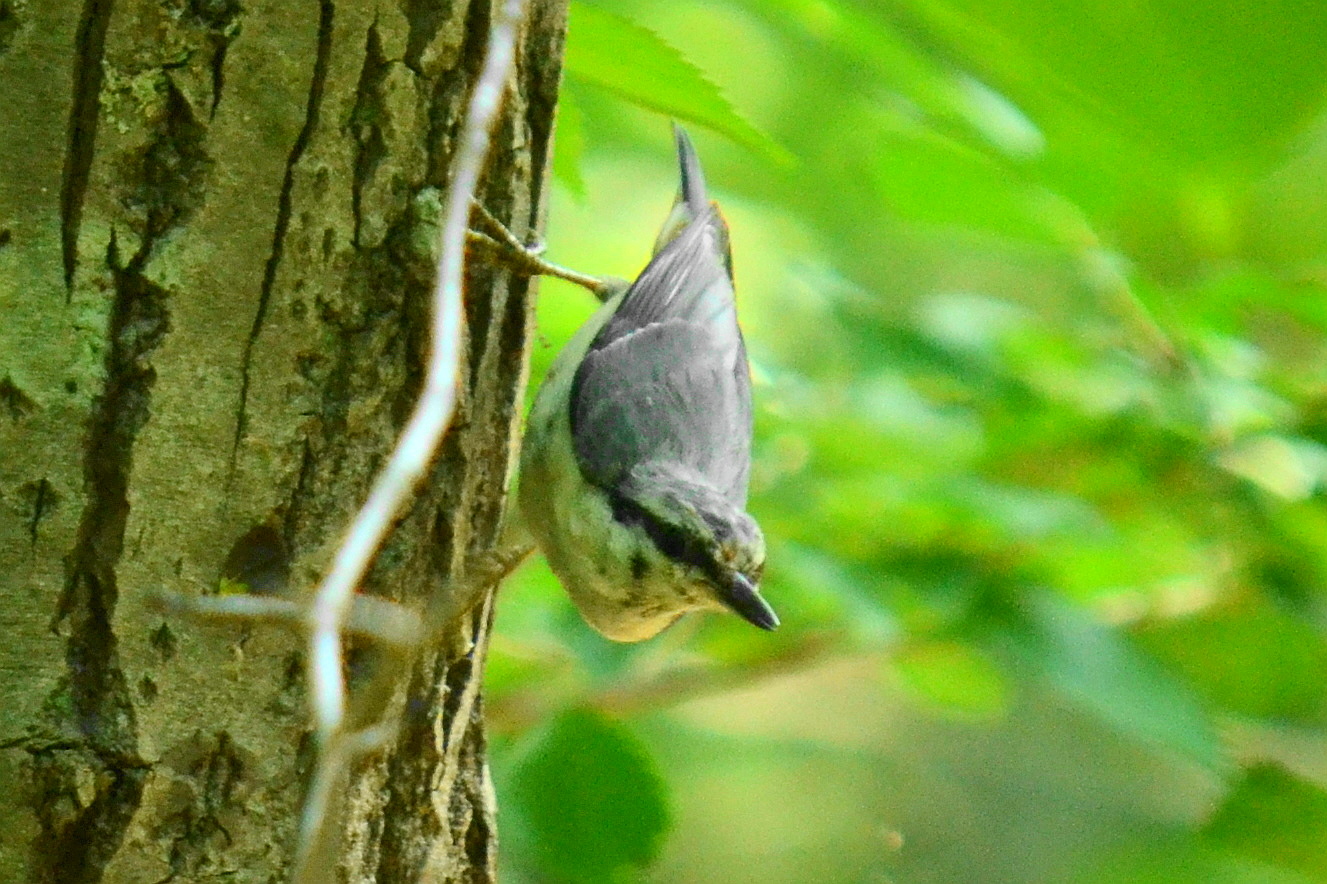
x=507, y=249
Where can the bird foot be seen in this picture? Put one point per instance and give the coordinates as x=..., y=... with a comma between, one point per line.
x=508, y=250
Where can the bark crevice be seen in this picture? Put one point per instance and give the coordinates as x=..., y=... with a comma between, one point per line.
x=93, y=702
x=312, y=110
x=366, y=126
x=221, y=20
x=84, y=111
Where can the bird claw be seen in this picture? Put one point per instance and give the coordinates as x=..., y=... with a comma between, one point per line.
x=501, y=233
x=526, y=259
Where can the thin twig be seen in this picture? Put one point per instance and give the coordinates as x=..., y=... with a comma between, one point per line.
x=335, y=608
x=467, y=589
x=316, y=851
x=423, y=432
x=386, y=622
x=316, y=848
x=331, y=605
x=670, y=687
x=370, y=617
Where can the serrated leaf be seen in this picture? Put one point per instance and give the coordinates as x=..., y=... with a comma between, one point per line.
x=590, y=802
x=614, y=53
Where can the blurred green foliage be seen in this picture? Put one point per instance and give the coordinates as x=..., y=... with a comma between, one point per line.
x=1034, y=294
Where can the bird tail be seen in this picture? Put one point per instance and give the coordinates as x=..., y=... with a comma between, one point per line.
x=692, y=201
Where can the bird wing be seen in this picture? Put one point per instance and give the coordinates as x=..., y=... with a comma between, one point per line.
x=666, y=379
x=668, y=393
x=691, y=278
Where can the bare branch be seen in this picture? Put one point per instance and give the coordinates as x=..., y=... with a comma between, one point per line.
x=673, y=685
x=423, y=432
x=336, y=609
x=332, y=603
x=370, y=617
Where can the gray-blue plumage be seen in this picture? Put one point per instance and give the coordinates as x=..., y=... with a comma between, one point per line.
x=635, y=462
x=665, y=381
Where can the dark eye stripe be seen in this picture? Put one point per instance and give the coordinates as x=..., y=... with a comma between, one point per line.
x=671, y=540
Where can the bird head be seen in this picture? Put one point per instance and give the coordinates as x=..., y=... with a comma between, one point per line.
x=698, y=532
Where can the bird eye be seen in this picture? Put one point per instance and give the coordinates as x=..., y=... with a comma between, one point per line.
x=738, y=558
x=671, y=540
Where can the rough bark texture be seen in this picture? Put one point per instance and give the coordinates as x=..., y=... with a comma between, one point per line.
x=217, y=226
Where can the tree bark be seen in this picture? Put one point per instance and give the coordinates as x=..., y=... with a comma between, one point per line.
x=217, y=246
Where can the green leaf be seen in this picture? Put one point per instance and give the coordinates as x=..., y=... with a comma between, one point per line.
x=955, y=679
x=1106, y=674
x=1181, y=860
x=569, y=143
x=616, y=54
x=1276, y=817
x=932, y=179
x=589, y=801
x=1209, y=81
x=1276, y=673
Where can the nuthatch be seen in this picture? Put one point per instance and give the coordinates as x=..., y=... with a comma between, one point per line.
x=635, y=460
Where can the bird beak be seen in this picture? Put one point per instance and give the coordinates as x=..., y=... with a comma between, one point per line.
x=743, y=598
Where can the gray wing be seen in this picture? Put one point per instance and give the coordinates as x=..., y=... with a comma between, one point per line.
x=690, y=278
x=668, y=393
x=666, y=379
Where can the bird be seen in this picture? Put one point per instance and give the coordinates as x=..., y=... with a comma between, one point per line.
x=637, y=452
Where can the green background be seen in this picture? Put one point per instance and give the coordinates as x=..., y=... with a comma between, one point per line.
x=1034, y=295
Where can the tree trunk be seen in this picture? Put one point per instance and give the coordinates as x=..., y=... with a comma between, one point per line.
x=217, y=244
